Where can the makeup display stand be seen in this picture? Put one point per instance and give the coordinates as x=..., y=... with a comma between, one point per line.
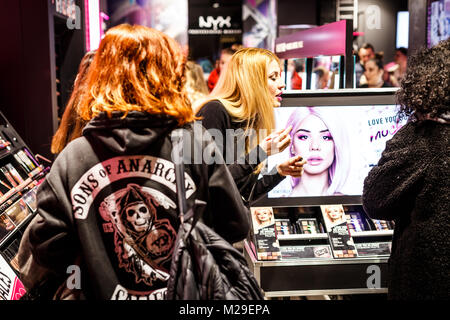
x=307, y=267
x=304, y=261
x=20, y=174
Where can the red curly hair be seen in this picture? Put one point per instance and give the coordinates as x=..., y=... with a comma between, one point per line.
x=137, y=68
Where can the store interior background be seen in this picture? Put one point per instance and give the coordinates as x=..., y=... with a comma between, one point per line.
x=41, y=49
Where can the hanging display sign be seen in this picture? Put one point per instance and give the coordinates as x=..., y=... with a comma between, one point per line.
x=327, y=40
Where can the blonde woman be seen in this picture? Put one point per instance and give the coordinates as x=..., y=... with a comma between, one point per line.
x=196, y=87
x=243, y=100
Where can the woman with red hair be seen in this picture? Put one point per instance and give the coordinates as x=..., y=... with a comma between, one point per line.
x=108, y=206
x=71, y=124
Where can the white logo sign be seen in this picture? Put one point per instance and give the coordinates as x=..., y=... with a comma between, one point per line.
x=374, y=280
x=283, y=47
x=214, y=23
x=373, y=17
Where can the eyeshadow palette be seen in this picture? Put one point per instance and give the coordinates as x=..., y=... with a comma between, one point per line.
x=283, y=227
x=345, y=253
x=382, y=225
x=354, y=222
x=307, y=226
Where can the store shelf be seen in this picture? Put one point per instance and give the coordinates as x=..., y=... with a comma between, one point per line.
x=35, y=175
x=310, y=261
x=374, y=233
x=301, y=293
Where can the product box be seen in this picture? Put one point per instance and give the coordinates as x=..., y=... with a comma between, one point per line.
x=265, y=236
x=11, y=288
x=338, y=232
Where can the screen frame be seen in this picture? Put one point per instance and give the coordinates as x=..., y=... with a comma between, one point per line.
x=339, y=97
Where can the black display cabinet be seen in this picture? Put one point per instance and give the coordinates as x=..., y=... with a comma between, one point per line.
x=303, y=261
x=20, y=175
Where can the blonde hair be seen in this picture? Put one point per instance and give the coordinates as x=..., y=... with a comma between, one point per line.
x=244, y=92
x=196, y=86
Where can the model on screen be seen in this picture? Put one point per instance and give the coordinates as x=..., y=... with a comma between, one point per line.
x=320, y=138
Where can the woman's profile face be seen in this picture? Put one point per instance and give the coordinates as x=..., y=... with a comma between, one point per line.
x=275, y=82
x=374, y=75
x=313, y=141
x=263, y=215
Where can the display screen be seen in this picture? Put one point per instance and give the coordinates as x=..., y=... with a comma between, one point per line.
x=438, y=21
x=340, y=143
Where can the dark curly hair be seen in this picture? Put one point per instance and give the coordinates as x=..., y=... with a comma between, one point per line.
x=426, y=84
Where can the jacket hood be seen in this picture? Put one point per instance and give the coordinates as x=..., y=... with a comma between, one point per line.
x=131, y=134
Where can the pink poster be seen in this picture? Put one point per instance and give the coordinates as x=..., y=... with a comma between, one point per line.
x=11, y=288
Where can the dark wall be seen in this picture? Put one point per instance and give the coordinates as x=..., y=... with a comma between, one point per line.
x=381, y=35
x=327, y=11
x=417, y=25
x=31, y=59
x=26, y=97
x=297, y=12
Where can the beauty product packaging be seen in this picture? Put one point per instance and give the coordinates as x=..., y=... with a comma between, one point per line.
x=265, y=235
x=338, y=232
x=354, y=222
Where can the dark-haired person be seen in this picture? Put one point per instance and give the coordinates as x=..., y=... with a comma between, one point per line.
x=71, y=123
x=109, y=204
x=365, y=53
x=225, y=57
x=374, y=71
x=411, y=182
x=401, y=59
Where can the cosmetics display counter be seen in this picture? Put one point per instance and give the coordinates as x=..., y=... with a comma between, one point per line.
x=308, y=264
x=325, y=243
x=20, y=175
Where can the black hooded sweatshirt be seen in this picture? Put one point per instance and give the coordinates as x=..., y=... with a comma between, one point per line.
x=110, y=202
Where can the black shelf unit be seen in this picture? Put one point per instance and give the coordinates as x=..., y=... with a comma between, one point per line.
x=20, y=174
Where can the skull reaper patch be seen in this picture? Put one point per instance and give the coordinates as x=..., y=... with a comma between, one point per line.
x=142, y=242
